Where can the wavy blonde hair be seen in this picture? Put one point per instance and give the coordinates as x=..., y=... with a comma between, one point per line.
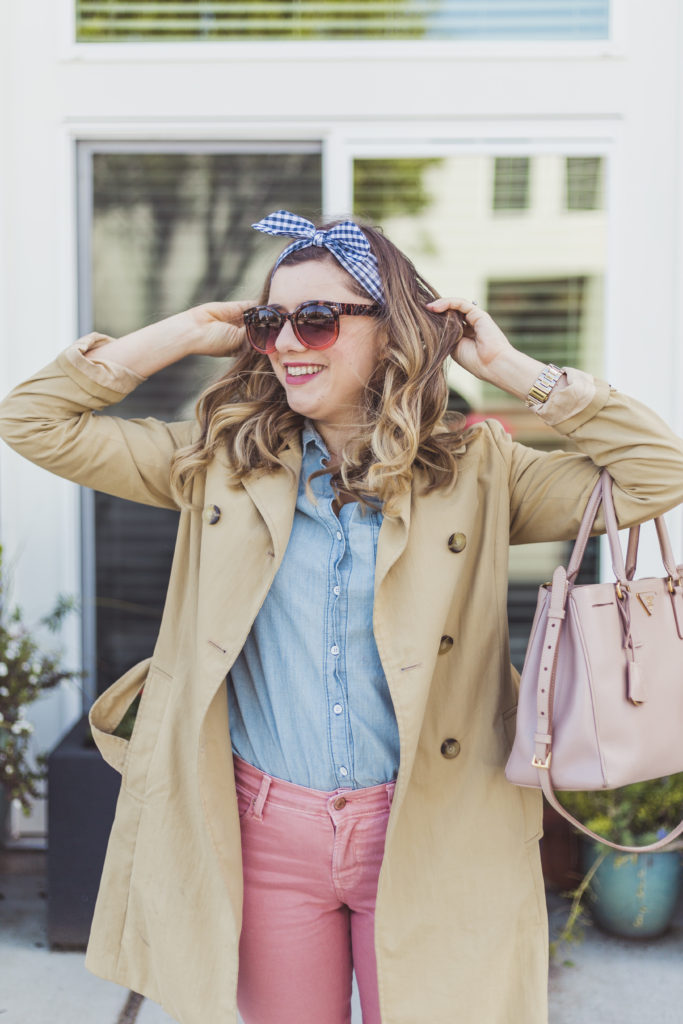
x=401, y=424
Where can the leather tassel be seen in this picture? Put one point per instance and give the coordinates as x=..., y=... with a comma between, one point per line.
x=636, y=684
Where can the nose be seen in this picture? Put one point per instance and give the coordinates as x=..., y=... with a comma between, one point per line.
x=287, y=340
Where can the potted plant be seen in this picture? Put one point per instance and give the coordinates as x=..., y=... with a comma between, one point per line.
x=632, y=895
x=26, y=672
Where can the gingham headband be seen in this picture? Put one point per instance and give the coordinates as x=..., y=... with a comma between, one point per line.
x=345, y=241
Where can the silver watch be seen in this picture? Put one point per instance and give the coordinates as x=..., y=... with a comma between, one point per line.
x=539, y=392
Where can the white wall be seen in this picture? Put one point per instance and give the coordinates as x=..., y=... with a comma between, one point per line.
x=624, y=98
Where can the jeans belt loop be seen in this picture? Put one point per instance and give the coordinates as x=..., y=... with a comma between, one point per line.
x=261, y=798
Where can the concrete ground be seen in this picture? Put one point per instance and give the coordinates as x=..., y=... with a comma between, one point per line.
x=605, y=980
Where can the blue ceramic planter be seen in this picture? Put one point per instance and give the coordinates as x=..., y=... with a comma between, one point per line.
x=634, y=895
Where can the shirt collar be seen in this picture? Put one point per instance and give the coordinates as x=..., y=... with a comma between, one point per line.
x=310, y=436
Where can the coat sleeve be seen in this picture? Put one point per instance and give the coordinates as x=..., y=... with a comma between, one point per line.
x=549, y=490
x=52, y=419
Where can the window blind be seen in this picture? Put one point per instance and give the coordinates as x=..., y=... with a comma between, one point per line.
x=584, y=182
x=139, y=20
x=511, y=182
x=543, y=316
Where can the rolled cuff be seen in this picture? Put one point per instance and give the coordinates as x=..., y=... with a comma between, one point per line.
x=99, y=369
x=567, y=402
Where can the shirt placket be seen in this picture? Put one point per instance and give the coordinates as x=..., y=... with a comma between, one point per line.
x=341, y=747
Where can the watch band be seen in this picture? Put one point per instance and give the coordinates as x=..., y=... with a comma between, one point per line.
x=539, y=392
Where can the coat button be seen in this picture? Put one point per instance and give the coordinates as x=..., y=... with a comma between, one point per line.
x=456, y=542
x=450, y=748
x=445, y=644
x=211, y=514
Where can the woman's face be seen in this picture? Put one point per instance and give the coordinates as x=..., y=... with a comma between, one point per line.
x=326, y=386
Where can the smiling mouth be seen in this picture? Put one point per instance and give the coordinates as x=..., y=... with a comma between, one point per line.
x=302, y=370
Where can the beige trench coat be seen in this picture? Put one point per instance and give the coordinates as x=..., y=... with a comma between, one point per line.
x=461, y=931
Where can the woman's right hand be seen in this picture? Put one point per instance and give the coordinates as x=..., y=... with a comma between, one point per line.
x=218, y=327
x=212, y=329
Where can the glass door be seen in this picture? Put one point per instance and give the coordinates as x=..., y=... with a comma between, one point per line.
x=162, y=229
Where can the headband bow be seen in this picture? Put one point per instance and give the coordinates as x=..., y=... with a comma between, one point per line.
x=345, y=241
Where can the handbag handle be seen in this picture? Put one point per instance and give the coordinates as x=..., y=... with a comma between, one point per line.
x=602, y=494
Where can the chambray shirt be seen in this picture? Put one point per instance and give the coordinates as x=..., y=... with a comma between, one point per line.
x=309, y=702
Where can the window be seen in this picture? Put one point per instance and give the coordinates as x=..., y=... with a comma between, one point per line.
x=134, y=20
x=545, y=317
x=165, y=231
x=542, y=285
x=542, y=315
x=584, y=182
x=511, y=183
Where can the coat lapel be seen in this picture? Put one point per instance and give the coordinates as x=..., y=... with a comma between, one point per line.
x=393, y=538
x=241, y=550
x=274, y=495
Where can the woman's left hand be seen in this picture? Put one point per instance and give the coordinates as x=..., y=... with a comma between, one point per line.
x=482, y=341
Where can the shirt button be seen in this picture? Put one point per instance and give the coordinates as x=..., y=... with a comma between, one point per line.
x=339, y=804
x=457, y=542
x=334, y=650
x=339, y=536
x=337, y=591
x=337, y=709
x=343, y=771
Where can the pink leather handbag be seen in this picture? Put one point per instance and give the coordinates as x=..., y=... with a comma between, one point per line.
x=601, y=694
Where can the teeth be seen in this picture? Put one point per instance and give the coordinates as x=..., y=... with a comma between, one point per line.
x=300, y=371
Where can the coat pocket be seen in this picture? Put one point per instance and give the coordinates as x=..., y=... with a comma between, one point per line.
x=510, y=726
x=530, y=799
x=108, y=710
x=131, y=758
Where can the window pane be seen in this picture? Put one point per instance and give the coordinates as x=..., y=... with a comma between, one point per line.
x=584, y=177
x=112, y=20
x=171, y=230
x=511, y=183
x=543, y=284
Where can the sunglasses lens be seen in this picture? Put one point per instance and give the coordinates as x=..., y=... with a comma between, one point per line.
x=263, y=326
x=316, y=325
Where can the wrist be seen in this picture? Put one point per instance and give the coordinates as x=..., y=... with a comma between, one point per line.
x=156, y=346
x=515, y=372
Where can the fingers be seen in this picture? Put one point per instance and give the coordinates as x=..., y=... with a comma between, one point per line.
x=470, y=309
x=229, y=312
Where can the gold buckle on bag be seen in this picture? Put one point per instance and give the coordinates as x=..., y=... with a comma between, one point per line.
x=535, y=763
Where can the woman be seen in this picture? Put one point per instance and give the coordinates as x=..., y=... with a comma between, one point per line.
x=342, y=562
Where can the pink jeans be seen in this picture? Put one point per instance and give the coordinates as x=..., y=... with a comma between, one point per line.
x=311, y=863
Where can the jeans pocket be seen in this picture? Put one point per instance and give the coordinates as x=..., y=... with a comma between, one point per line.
x=245, y=802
